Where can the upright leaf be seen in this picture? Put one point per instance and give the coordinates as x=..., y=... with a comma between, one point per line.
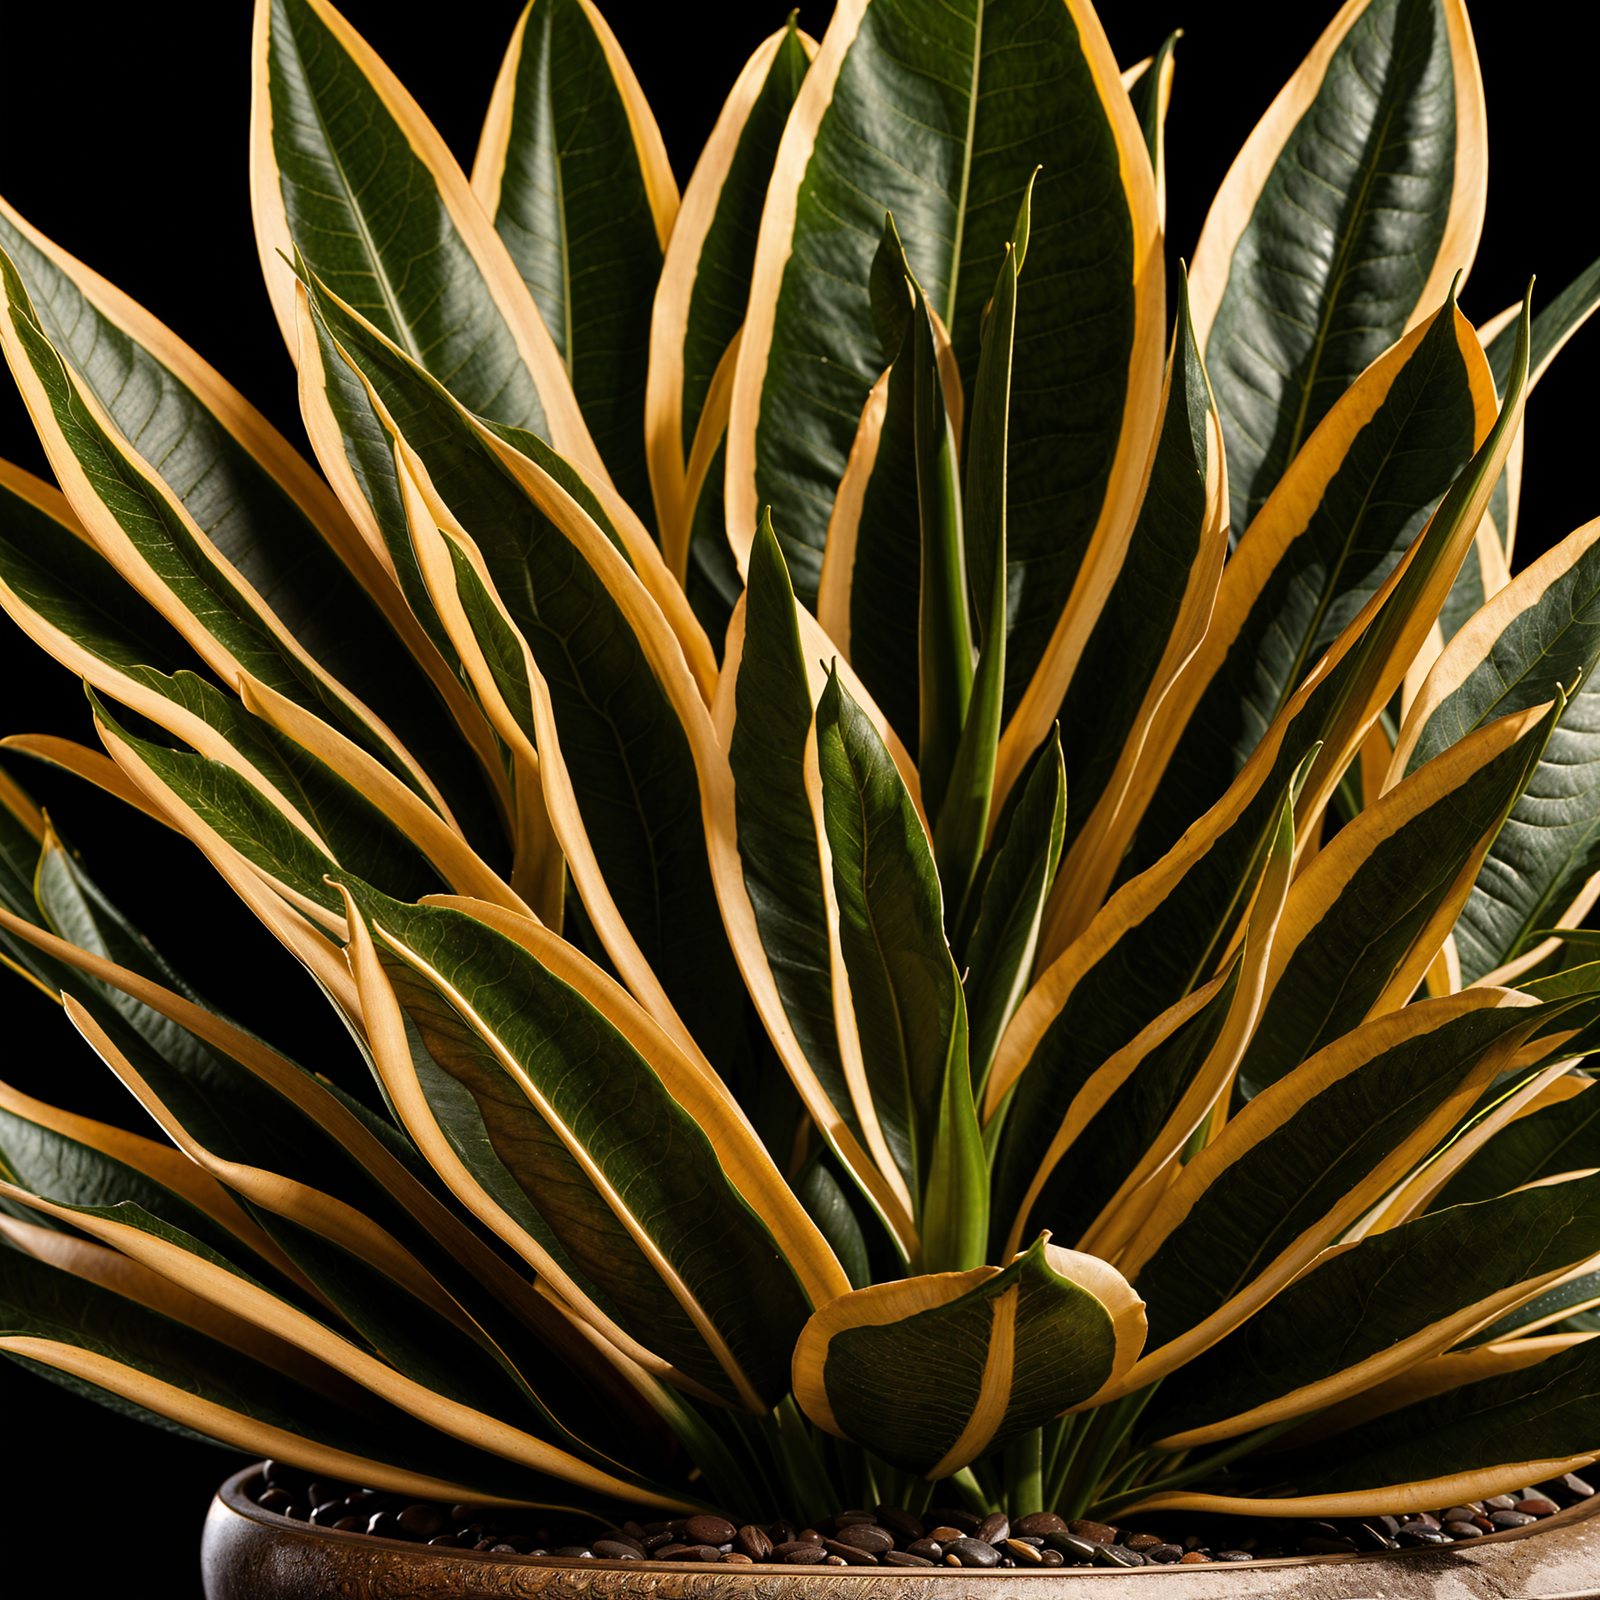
x=572, y=169
x=698, y=312
x=348, y=172
x=952, y=171
x=1353, y=204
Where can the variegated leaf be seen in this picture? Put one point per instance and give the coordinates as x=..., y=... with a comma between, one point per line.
x=933, y=1372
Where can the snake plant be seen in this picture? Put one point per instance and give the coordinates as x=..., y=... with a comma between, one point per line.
x=930, y=857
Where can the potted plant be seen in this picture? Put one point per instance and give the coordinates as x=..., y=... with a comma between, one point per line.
x=888, y=955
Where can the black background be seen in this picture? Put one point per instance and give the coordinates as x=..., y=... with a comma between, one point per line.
x=123, y=135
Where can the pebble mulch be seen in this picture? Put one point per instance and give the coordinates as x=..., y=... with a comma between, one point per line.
x=892, y=1537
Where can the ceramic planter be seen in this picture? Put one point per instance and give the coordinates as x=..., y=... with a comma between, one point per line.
x=251, y=1554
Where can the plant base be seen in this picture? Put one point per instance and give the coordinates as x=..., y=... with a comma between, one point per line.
x=251, y=1554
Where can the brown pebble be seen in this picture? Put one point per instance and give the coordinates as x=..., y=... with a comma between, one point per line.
x=1463, y=1530
x=1099, y=1532
x=943, y=1534
x=971, y=1551
x=1567, y=1490
x=932, y=1549
x=709, y=1530
x=867, y=1536
x=752, y=1543
x=1143, y=1541
x=1024, y=1554
x=1511, y=1519
x=699, y=1552
x=1536, y=1506
x=1193, y=1558
x=900, y=1522
x=736, y=1558
x=852, y=1554
x=995, y=1529
x=904, y=1558
x=1039, y=1522
x=792, y=1547
x=805, y=1555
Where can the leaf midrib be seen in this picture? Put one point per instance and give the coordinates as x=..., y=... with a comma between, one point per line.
x=369, y=245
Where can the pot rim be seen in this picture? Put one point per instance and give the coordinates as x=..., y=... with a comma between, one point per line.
x=233, y=1496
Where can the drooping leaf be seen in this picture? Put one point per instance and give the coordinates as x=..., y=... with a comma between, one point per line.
x=1364, y=1313
x=266, y=513
x=1306, y=1158
x=933, y=1372
x=1540, y=636
x=581, y=1118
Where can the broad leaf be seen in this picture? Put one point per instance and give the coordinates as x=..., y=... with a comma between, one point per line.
x=579, y=1116
x=1366, y=918
x=263, y=509
x=351, y=177
x=572, y=169
x=952, y=172
x=1541, y=635
x=1356, y=498
x=933, y=1372
x=1305, y=1159
x=1367, y=1312
x=1356, y=200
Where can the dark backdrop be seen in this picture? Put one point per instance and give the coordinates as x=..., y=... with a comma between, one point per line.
x=123, y=135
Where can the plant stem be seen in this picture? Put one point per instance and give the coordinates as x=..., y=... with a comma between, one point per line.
x=1110, y=1429
x=803, y=1466
x=1070, y=1434
x=965, y=1482
x=1025, y=1473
